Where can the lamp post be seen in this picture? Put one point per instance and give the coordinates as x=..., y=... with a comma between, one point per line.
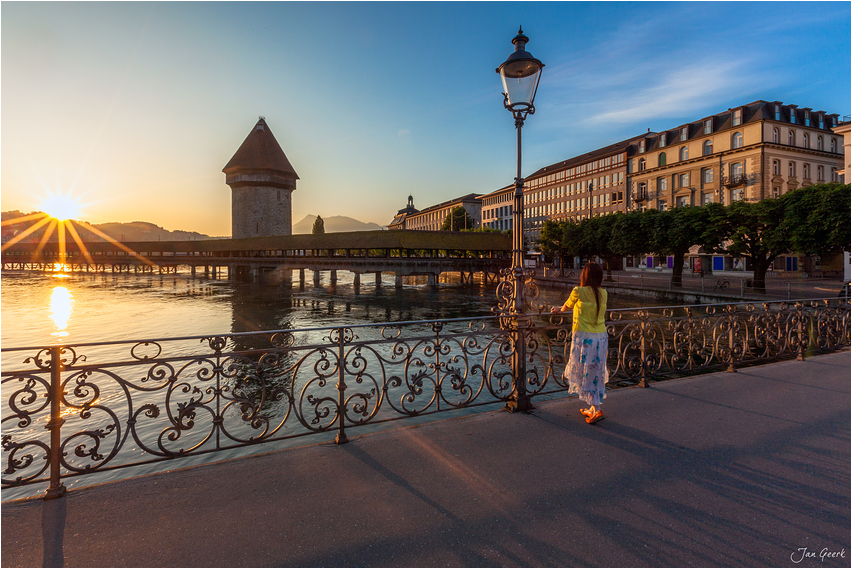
x=591, y=188
x=520, y=74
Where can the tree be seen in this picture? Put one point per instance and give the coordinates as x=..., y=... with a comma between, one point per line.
x=458, y=220
x=755, y=230
x=673, y=232
x=817, y=219
x=319, y=226
x=628, y=238
x=550, y=240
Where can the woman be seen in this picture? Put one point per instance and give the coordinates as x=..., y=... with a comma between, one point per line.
x=586, y=371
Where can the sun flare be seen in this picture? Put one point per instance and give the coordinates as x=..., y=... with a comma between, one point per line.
x=61, y=206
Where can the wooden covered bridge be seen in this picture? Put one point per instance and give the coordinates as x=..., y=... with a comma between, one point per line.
x=403, y=253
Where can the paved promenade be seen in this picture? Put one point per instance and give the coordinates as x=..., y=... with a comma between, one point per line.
x=743, y=469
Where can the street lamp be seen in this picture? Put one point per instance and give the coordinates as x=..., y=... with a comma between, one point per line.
x=520, y=74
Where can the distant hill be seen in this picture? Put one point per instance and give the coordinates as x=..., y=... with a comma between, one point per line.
x=334, y=224
x=133, y=231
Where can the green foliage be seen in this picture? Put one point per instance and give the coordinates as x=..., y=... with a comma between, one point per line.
x=319, y=226
x=817, y=219
x=458, y=220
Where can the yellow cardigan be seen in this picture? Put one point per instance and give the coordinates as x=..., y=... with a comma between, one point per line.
x=582, y=300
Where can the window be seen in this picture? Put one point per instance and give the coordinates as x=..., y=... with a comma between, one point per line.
x=821, y=121
x=736, y=171
x=683, y=201
x=833, y=145
x=737, y=140
x=662, y=140
x=737, y=195
x=738, y=118
x=792, y=170
x=642, y=191
x=683, y=133
x=662, y=185
x=684, y=180
x=806, y=140
x=834, y=175
x=706, y=198
x=833, y=121
x=684, y=153
x=641, y=164
x=776, y=191
x=778, y=112
x=776, y=167
x=661, y=205
x=662, y=160
x=806, y=171
x=708, y=147
x=807, y=118
x=642, y=146
x=791, y=138
x=792, y=116
x=820, y=173
x=707, y=175
x=776, y=137
x=820, y=145
x=708, y=126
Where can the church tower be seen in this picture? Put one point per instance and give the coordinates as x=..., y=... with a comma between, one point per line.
x=262, y=181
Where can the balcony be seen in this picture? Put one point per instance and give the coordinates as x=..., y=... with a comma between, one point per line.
x=734, y=180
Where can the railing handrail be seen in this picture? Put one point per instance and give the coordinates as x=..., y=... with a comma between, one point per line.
x=384, y=324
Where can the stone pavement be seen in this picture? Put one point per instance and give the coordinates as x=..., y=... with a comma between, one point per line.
x=724, y=469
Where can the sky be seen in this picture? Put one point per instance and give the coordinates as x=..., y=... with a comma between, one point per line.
x=133, y=109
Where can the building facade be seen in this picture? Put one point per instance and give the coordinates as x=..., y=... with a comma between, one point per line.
x=760, y=150
x=432, y=218
x=401, y=215
x=262, y=181
x=497, y=208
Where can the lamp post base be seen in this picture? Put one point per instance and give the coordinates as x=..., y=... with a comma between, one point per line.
x=521, y=404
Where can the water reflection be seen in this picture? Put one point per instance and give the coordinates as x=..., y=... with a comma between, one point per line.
x=61, y=305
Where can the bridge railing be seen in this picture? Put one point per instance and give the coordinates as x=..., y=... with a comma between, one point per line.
x=71, y=410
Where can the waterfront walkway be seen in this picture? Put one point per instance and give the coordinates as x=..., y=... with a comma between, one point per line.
x=725, y=469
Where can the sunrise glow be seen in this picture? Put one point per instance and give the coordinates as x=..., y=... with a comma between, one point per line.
x=61, y=206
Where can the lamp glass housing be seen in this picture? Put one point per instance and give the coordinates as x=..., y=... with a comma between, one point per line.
x=520, y=81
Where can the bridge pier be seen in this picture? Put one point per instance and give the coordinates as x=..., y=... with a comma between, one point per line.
x=398, y=280
x=333, y=277
x=378, y=278
x=316, y=278
x=302, y=278
x=432, y=280
x=356, y=282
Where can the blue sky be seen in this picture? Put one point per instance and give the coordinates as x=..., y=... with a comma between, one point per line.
x=134, y=108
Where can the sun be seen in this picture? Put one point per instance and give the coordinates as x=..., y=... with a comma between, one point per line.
x=61, y=206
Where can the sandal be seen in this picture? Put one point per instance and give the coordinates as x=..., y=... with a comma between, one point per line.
x=586, y=412
x=599, y=416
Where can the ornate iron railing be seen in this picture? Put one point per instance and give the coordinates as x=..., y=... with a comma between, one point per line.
x=85, y=408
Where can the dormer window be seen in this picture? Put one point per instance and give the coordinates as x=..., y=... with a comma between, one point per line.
x=737, y=118
x=792, y=116
x=807, y=118
x=708, y=126
x=821, y=121
x=642, y=146
x=662, y=140
x=683, y=134
x=833, y=121
x=778, y=112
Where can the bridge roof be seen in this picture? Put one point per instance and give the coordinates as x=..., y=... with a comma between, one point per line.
x=402, y=239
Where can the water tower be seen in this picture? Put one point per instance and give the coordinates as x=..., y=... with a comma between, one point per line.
x=262, y=181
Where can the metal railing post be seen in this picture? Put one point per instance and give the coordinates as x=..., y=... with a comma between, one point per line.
x=643, y=378
x=341, y=389
x=56, y=489
x=731, y=312
x=789, y=293
x=800, y=308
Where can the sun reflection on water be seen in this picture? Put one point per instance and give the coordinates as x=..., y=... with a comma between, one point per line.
x=61, y=305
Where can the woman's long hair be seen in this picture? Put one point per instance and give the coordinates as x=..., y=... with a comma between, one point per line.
x=592, y=276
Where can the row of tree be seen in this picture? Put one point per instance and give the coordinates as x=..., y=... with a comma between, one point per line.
x=812, y=221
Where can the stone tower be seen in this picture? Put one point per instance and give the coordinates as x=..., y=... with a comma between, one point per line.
x=262, y=181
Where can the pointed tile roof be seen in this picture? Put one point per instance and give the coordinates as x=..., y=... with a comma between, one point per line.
x=260, y=151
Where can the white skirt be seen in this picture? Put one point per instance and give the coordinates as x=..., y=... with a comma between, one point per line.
x=586, y=373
